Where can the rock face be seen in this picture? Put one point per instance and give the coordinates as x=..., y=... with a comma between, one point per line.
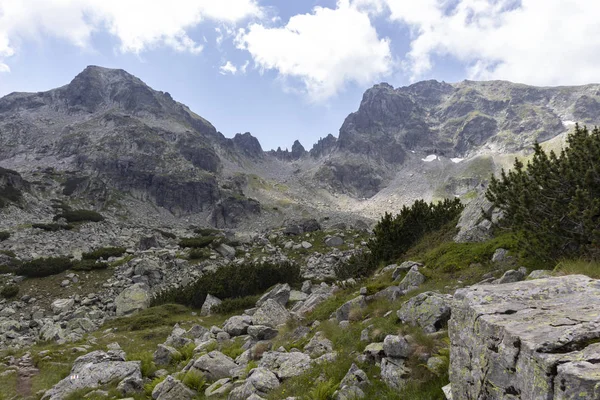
x=527, y=340
x=133, y=299
x=95, y=369
x=429, y=310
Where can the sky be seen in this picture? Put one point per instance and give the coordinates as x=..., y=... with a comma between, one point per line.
x=294, y=69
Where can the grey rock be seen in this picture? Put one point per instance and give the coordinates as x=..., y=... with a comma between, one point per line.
x=539, y=329
x=271, y=313
x=412, y=280
x=285, y=365
x=215, y=365
x=306, y=287
x=296, y=296
x=60, y=306
x=172, y=389
x=219, y=388
x=404, y=267
x=306, y=245
x=165, y=355
x=437, y=365
x=429, y=310
x=355, y=377
x=374, y=352
x=280, y=293
x=260, y=381
x=210, y=302
x=226, y=251
x=93, y=370
x=197, y=331
x=334, y=241
x=394, y=372
x=343, y=312
x=133, y=299
x=262, y=332
x=395, y=346
x=499, y=255
x=318, y=345
x=237, y=325
x=511, y=277
x=540, y=274
x=130, y=385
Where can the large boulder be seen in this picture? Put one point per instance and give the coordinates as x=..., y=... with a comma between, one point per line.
x=172, y=389
x=133, y=299
x=526, y=340
x=343, y=312
x=412, y=280
x=429, y=310
x=165, y=355
x=280, y=293
x=271, y=313
x=260, y=382
x=285, y=365
x=394, y=372
x=60, y=306
x=93, y=370
x=396, y=346
x=210, y=302
x=237, y=325
x=215, y=365
x=318, y=345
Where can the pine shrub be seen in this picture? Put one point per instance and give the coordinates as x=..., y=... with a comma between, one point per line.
x=41, y=267
x=79, y=216
x=9, y=291
x=4, y=235
x=198, y=242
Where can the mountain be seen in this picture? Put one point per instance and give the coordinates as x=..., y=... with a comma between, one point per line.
x=108, y=140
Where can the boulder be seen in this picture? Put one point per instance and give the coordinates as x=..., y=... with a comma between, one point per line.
x=526, y=340
x=394, y=372
x=280, y=293
x=396, y=346
x=499, y=255
x=93, y=370
x=210, y=302
x=343, y=312
x=355, y=377
x=511, y=276
x=429, y=310
x=260, y=381
x=271, y=313
x=349, y=393
x=131, y=385
x=318, y=345
x=219, y=388
x=60, y=306
x=215, y=365
x=404, y=267
x=237, y=325
x=390, y=293
x=133, y=299
x=334, y=241
x=172, y=389
x=540, y=274
x=165, y=355
x=262, y=332
x=226, y=251
x=374, y=352
x=285, y=365
x=412, y=280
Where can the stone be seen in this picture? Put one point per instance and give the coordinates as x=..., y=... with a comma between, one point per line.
x=197, y=331
x=404, y=267
x=318, y=345
x=306, y=245
x=511, y=276
x=271, y=313
x=412, y=280
x=177, y=337
x=355, y=377
x=60, y=306
x=285, y=365
x=130, y=385
x=210, y=302
x=448, y=391
x=437, y=365
x=260, y=382
x=226, y=251
x=219, y=388
x=262, y=332
x=215, y=365
x=499, y=255
x=237, y=325
x=280, y=293
x=93, y=370
x=172, y=389
x=296, y=295
x=133, y=299
x=429, y=310
x=530, y=338
x=374, y=352
x=390, y=293
x=334, y=241
x=540, y=274
x=306, y=287
x=343, y=312
x=394, y=372
x=396, y=346
x=165, y=355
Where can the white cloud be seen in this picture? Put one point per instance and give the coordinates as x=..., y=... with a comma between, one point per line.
x=138, y=24
x=244, y=67
x=228, y=68
x=543, y=42
x=324, y=49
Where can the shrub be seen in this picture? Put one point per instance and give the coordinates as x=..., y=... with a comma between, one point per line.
x=166, y=235
x=553, y=203
x=194, y=379
x=104, y=253
x=206, y=231
x=199, y=242
x=41, y=267
x=89, y=265
x=359, y=265
x=52, y=227
x=79, y=216
x=199, y=254
x=149, y=387
x=4, y=235
x=147, y=363
x=232, y=281
x=231, y=306
x=9, y=291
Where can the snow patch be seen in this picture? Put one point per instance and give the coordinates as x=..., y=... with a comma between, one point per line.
x=456, y=160
x=429, y=158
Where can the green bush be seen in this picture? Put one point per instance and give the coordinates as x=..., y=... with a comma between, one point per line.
x=199, y=242
x=231, y=306
x=41, y=267
x=199, y=254
x=89, y=265
x=166, y=235
x=80, y=216
x=9, y=253
x=9, y=291
x=359, y=265
x=553, y=203
x=195, y=380
x=104, y=253
x=4, y=235
x=393, y=236
x=232, y=281
x=52, y=227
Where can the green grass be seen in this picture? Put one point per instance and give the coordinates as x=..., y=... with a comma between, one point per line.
x=578, y=267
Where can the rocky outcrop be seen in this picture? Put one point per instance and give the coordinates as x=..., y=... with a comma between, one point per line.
x=134, y=298
x=526, y=340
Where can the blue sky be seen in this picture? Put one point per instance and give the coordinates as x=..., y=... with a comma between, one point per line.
x=286, y=70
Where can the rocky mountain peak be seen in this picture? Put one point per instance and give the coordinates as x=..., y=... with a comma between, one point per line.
x=248, y=144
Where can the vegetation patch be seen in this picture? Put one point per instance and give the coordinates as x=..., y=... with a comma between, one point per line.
x=41, y=267
x=80, y=216
x=4, y=235
x=9, y=291
x=53, y=227
x=199, y=242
